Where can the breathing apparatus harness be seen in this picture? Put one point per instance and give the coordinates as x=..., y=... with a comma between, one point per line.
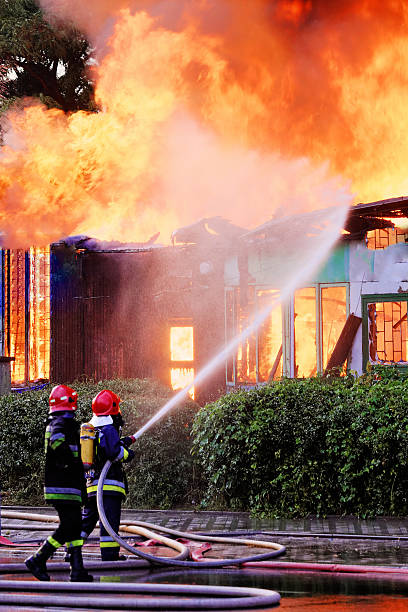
x=88, y=440
x=89, y=436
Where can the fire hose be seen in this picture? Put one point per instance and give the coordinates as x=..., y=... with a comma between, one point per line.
x=149, y=530
x=277, y=549
x=221, y=597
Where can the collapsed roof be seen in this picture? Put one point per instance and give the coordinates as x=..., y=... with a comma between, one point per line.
x=206, y=230
x=361, y=219
x=93, y=244
x=375, y=215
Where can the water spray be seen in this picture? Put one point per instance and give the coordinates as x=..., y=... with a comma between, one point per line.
x=318, y=255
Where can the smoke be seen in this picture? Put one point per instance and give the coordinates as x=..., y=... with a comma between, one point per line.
x=200, y=176
x=188, y=128
x=313, y=78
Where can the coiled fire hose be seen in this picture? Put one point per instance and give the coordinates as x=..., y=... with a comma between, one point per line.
x=277, y=549
x=189, y=597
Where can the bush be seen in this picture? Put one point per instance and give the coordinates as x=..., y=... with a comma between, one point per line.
x=320, y=446
x=162, y=474
x=294, y=447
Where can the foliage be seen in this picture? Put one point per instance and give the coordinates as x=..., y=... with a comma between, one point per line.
x=294, y=447
x=42, y=60
x=320, y=446
x=161, y=475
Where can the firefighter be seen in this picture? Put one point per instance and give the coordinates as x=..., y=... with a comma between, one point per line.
x=107, y=421
x=64, y=485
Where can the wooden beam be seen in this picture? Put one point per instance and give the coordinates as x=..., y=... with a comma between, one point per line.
x=343, y=344
x=275, y=365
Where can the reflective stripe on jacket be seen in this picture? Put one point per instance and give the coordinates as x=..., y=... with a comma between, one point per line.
x=64, y=473
x=108, y=446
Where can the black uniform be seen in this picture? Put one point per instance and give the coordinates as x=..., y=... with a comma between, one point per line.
x=65, y=489
x=108, y=446
x=64, y=481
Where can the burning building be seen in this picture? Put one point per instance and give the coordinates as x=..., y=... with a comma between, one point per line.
x=85, y=308
x=350, y=313
x=206, y=117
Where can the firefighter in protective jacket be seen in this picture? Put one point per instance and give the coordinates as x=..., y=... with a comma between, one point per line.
x=64, y=485
x=108, y=422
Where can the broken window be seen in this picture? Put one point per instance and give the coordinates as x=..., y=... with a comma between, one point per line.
x=246, y=361
x=39, y=313
x=27, y=313
x=305, y=332
x=387, y=331
x=182, y=357
x=230, y=309
x=319, y=316
x=334, y=317
x=383, y=238
x=15, y=312
x=256, y=355
x=269, y=338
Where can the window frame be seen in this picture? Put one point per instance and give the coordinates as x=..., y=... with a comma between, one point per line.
x=288, y=329
x=377, y=298
x=319, y=319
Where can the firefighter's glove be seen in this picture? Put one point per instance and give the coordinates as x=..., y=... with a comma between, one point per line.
x=130, y=455
x=128, y=441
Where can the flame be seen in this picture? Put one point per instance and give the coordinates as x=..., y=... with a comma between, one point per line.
x=27, y=309
x=15, y=312
x=181, y=350
x=206, y=106
x=39, y=313
x=305, y=332
x=301, y=77
x=270, y=339
x=200, y=115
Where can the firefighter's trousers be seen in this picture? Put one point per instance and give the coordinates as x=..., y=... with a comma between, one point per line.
x=69, y=530
x=112, y=504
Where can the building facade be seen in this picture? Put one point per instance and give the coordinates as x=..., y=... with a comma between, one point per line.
x=82, y=309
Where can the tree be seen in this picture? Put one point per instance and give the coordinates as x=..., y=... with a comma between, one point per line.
x=42, y=60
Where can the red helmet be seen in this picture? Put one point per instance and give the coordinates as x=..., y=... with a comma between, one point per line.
x=63, y=398
x=106, y=402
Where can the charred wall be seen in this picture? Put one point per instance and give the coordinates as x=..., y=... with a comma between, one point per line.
x=97, y=305
x=111, y=312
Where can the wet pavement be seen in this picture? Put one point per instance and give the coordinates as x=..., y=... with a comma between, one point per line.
x=345, y=540
x=339, y=540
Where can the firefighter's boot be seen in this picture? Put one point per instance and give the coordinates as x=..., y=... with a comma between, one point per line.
x=37, y=562
x=78, y=572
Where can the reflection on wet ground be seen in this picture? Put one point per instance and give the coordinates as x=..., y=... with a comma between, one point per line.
x=304, y=590
x=311, y=591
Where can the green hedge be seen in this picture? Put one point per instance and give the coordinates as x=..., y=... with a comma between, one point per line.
x=162, y=474
x=315, y=446
x=295, y=447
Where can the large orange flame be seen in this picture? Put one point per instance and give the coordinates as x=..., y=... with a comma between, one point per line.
x=204, y=104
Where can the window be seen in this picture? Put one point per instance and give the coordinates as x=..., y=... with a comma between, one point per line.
x=246, y=356
x=305, y=332
x=385, y=334
x=15, y=314
x=296, y=339
x=27, y=313
x=334, y=317
x=39, y=313
x=269, y=338
x=382, y=238
x=182, y=357
x=258, y=357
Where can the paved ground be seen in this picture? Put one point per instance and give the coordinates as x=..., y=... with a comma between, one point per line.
x=383, y=541
x=232, y=521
